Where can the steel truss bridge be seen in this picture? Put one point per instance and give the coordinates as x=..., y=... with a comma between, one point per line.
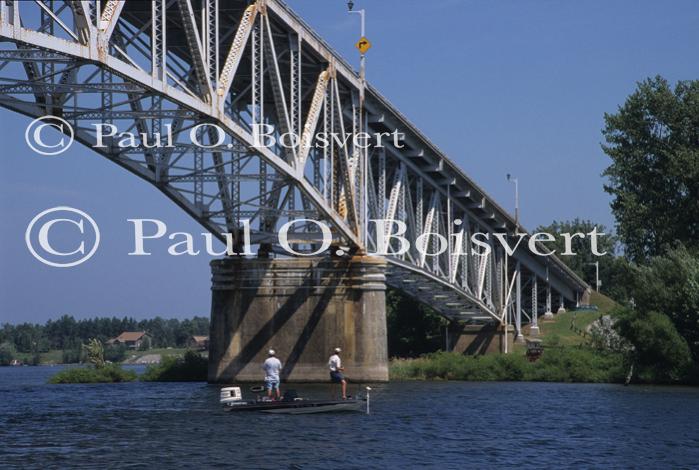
x=153, y=68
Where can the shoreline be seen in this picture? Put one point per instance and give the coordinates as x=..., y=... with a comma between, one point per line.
x=403, y=378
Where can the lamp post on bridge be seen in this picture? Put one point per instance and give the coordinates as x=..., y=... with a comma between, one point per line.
x=362, y=51
x=597, y=281
x=363, y=45
x=518, y=291
x=516, y=183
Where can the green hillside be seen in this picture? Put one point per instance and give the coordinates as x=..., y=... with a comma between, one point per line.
x=569, y=328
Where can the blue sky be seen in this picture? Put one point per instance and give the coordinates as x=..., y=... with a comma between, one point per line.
x=502, y=87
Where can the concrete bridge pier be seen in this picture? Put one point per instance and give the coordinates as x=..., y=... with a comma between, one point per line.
x=475, y=340
x=303, y=308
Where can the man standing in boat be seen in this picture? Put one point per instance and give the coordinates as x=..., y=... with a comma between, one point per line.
x=272, y=367
x=335, y=365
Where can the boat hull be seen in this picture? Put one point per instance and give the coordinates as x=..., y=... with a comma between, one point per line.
x=300, y=406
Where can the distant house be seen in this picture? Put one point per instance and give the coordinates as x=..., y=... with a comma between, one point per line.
x=131, y=339
x=198, y=342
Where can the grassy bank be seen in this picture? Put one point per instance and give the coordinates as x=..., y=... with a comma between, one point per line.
x=562, y=364
x=54, y=356
x=133, y=357
x=570, y=328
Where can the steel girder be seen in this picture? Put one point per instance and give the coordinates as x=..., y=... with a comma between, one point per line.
x=158, y=69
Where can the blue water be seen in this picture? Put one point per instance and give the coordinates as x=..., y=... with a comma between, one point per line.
x=415, y=424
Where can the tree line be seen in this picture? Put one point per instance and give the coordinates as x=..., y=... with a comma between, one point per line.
x=67, y=333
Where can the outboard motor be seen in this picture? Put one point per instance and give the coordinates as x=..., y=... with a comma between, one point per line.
x=231, y=396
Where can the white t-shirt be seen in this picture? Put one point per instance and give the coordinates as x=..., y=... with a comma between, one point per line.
x=272, y=367
x=334, y=363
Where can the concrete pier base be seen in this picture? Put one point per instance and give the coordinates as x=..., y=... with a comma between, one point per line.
x=480, y=339
x=303, y=308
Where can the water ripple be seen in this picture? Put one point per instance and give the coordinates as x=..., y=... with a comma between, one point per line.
x=430, y=425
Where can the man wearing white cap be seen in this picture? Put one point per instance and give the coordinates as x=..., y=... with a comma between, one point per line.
x=272, y=368
x=335, y=365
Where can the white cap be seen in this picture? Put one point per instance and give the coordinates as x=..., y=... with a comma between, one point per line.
x=271, y=352
x=338, y=350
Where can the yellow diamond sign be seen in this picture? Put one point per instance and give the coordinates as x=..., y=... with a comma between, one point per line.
x=363, y=44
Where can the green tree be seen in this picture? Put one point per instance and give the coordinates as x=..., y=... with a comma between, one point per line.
x=145, y=344
x=115, y=353
x=191, y=368
x=660, y=353
x=71, y=356
x=95, y=353
x=653, y=141
x=413, y=329
x=670, y=284
x=7, y=353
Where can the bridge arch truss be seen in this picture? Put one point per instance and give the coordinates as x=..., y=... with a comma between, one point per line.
x=162, y=68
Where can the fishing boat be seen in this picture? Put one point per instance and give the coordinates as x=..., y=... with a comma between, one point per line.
x=232, y=400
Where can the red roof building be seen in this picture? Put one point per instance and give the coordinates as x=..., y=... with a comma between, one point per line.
x=131, y=339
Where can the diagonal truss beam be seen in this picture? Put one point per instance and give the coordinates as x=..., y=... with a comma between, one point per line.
x=83, y=21
x=230, y=66
x=196, y=49
x=110, y=16
x=311, y=124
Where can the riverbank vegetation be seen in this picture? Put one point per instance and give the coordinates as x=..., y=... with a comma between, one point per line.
x=571, y=354
x=98, y=371
x=562, y=364
x=650, y=337
x=110, y=373
x=190, y=368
